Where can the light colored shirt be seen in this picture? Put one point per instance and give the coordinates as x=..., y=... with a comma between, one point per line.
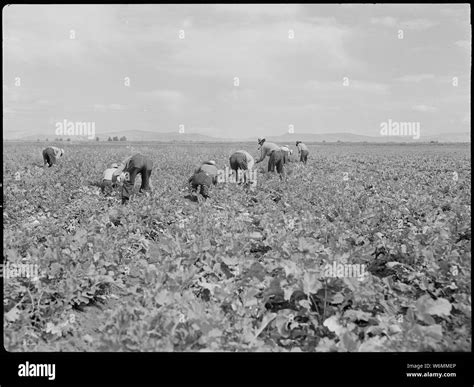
x=108, y=173
x=249, y=158
x=210, y=169
x=266, y=149
x=302, y=147
x=123, y=165
x=56, y=150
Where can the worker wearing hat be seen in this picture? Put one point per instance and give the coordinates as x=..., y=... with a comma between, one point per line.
x=241, y=160
x=287, y=151
x=276, y=155
x=109, y=180
x=51, y=155
x=203, y=177
x=302, y=151
x=128, y=170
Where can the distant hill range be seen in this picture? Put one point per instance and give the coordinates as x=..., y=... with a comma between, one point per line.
x=350, y=137
x=287, y=138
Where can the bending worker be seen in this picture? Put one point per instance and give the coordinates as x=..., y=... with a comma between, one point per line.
x=51, y=155
x=203, y=177
x=302, y=151
x=276, y=156
x=128, y=171
x=241, y=160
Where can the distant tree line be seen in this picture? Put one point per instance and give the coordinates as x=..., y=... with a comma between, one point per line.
x=115, y=138
x=60, y=139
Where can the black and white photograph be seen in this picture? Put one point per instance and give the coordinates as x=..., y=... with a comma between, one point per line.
x=237, y=178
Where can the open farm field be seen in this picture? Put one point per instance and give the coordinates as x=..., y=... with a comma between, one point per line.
x=259, y=269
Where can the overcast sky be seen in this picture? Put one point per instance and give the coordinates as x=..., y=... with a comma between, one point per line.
x=72, y=62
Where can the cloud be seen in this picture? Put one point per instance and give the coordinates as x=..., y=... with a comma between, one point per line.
x=190, y=80
x=161, y=94
x=415, y=78
x=258, y=51
x=463, y=44
x=259, y=10
x=459, y=12
x=172, y=100
x=11, y=94
x=418, y=24
x=386, y=21
x=53, y=42
x=8, y=110
x=413, y=24
x=424, y=108
x=371, y=87
x=354, y=85
x=108, y=107
x=26, y=98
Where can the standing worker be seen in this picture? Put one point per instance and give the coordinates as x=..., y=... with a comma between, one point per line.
x=203, y=177
x=302, y=151
x=129, y=169
x=51, y=155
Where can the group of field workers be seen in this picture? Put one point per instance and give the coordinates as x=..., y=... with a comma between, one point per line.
x=126, y=172
x=204, y=176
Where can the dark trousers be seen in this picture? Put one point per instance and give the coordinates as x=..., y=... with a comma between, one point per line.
x=286, y=157
x=304, y=156
x=138, y=164
x=276, y=160
x=238, y=161
x=107, y=186
x=49, y=157
x=201, y=182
